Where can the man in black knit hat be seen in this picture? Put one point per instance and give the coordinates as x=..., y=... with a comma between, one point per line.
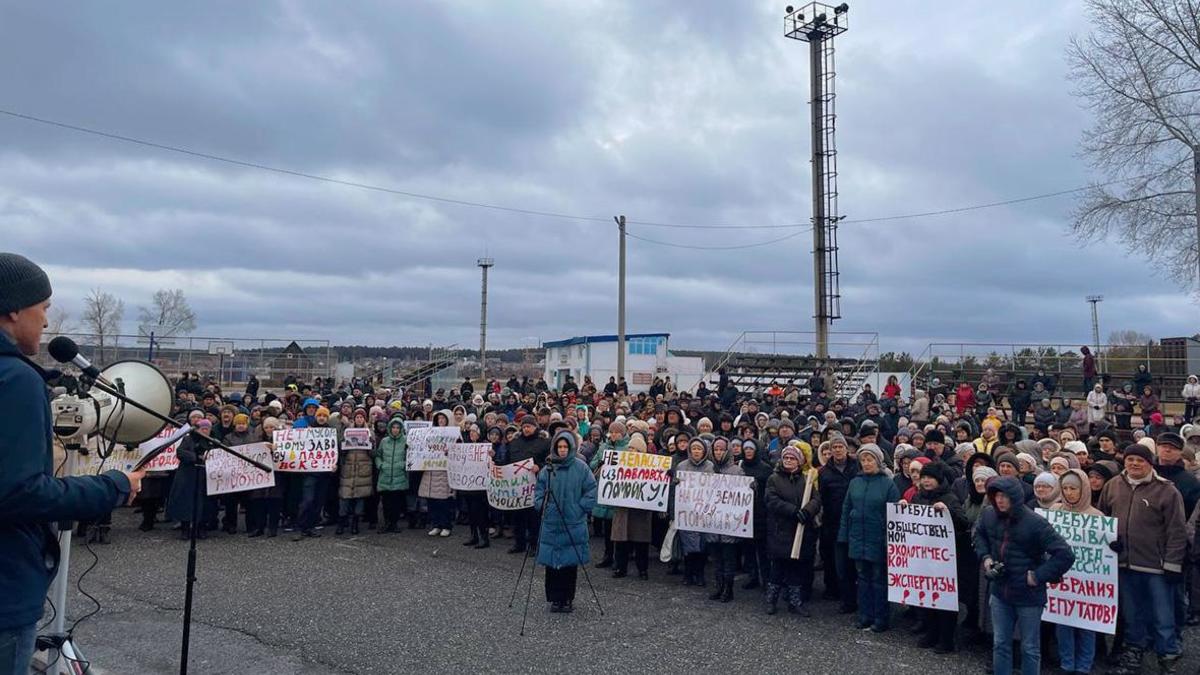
x=32, y=500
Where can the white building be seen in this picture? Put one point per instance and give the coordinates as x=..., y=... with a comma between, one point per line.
x=646, y=357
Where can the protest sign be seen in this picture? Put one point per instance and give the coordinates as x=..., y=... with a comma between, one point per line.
x=467, y=466
x=920, y=555
x=87, y=460
x=306, y=450
x=409, y=425
x=715, y=503
x=356, y=439
x=511, y=486
x=167, y=460
x=427, y=447
x=1087, y=595
x=635, y=480
x=227, y=473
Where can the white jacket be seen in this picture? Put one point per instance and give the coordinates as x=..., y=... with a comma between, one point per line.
x=1191, y=389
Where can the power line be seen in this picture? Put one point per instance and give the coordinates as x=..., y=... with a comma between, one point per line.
x=535, y=212
x=733, y=247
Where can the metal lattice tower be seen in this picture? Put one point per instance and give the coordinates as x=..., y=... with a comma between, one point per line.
x=817, y=24
x=1094, y=300
x=484, y=264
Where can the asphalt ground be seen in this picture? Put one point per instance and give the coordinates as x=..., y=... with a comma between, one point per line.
x=400, y=603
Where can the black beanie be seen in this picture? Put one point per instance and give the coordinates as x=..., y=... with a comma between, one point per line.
x=935, y=436
x=22, y=283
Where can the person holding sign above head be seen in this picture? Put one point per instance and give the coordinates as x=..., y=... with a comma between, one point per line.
x=938, y=626
x=863, y=531
x=1021, y=553
x=565, y=494
x=792, y=501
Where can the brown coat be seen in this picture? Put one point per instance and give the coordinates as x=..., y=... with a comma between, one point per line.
x=435, y=485
x=355, y=479
x=632, y=525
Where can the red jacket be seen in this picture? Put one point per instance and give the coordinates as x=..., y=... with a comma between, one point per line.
x=964, y=398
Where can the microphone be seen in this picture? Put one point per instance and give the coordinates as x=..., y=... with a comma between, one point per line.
x=64, y=350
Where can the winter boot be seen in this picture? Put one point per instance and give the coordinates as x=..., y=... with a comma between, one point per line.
x=354, y=525
x=719, y=582
x=341, y=526
x=103, y=534
x=727, y=596
x=795, y=602
x=700, y=580
x=1130, y=662
x=772, y=597
x=1169, y=664
x=607, y=561
x=689, y=571
x=484, y=538
x=751, y=583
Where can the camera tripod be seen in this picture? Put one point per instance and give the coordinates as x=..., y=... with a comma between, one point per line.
x=549, y=497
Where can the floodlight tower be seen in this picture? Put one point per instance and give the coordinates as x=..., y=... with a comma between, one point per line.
x=484, y=264
x=817, y=24
x=1095, y=300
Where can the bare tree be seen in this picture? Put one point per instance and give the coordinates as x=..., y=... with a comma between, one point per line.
x=59, y=321
x=170, y=313
x=102, y=313
x=1139, y=73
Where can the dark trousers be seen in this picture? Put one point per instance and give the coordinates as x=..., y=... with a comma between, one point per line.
x=792, y=573
x=525, y=527
x=351, y=507
x=150, y=508
x=872, y=593
x=725, y=560
x=847, y=579
x=371, y=509
x=641, y=555
x=604, y=525
x=312, y=499
x=231, y=503
x=1019, y=416
x=829, y=569
x=757, y=561
x=440, y=513
x=263, y=512
x=395, y=506
x=1191, y=408
x=939, y=626
x=477, y=514
x=560, y=584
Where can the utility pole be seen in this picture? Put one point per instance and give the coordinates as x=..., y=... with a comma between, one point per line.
x=1096, y=300
x=621, y=302
x=484, y=264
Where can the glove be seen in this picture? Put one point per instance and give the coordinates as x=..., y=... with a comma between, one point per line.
x=1173, y=577
x=802, y=516
x=1116, y=546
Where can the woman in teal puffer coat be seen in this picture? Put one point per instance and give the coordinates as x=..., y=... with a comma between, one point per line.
x=864, y=529
x=390, y=460
x=566, y=492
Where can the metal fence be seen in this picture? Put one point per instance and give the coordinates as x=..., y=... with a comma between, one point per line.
x=228, y=360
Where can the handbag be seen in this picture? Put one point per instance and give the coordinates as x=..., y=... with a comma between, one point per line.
x=666, y=551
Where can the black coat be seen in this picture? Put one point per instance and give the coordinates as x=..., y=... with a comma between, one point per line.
x=522, y=448
x=761, y=471
x=784, y=494
x=834, y=484
x=181, y=501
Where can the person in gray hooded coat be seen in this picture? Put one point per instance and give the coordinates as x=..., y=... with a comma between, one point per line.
x=724, y=548
x=692, y=543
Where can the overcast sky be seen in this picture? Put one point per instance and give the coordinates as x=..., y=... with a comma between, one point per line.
x=682, y=112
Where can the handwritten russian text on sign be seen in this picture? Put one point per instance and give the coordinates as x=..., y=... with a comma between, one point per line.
x=428, y=448
x=306, y=450
x=511, y=486
x=635, y=480
x=1087, y=595
x=92, y=463
x=356, y=439
x=715, y=503
x=167, y=460
x=920, y=557
x=227, y=473
x=468, y=466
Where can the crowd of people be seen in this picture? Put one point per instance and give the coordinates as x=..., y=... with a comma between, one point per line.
x=965, y=451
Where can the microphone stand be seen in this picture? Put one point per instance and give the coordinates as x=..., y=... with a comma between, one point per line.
x=203, y=444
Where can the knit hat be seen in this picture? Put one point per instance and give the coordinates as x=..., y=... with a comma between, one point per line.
x=874, y=451
x=1139, y=450
x=1008, y=458
x=984, y=472
x=964, y=449
x=1171, y=439
x=792, y=452
x=203, y=423
x=1026, y=457
x=322, y=410
x=22, y=283
x=529, y=420
x=1149, y=444
x=934, y=470
x=935, y=436
x=1076, y=447
x=241, y=418
x=1046, y=478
